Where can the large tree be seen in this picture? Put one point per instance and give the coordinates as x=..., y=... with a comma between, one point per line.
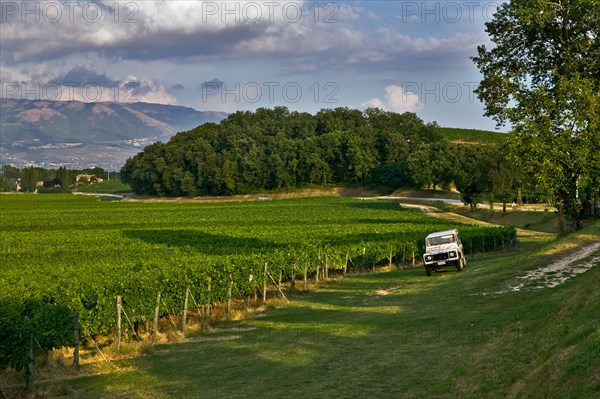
x=543, y=76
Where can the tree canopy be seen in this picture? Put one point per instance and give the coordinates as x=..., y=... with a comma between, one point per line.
x=543, y=76
x=272, y=149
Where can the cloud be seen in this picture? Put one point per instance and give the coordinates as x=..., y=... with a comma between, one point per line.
x=138, y=30
x=85, y=76
x=396, y=100
x=214, y=85
x=176, y=88
x=195, y=31
x=87, y=85
x=5, y=76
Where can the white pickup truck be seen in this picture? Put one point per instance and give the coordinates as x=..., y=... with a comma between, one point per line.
x=443, y=249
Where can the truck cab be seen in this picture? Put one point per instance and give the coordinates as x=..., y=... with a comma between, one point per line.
x=443, y=249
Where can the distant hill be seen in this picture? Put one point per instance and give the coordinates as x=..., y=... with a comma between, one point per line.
x=466, y=136
x=75, y=133
x=106, y=134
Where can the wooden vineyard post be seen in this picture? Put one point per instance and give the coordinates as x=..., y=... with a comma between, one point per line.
x=413, y=259
x=200, y=312
x=248, y=297
x=119, y=311
x=346, y=264
x=293, y=284
x=30, y=364
x=326, y=267
x=305, y=283
x=280, y=276
x=278, y=288
x=208, y=298
x=318, y=267
x=390, y=265
x=229, y=291
x=76, y=343
x=264, y=299
x=185, y=308
x=155, y=323
x=373, y=266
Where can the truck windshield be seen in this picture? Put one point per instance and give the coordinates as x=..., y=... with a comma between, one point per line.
x=447, y=239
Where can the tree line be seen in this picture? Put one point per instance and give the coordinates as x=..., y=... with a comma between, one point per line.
x=272, y=149
x=57, y=180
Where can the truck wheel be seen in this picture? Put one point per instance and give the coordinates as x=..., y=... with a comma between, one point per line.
x=428, y=270
x=460, y=265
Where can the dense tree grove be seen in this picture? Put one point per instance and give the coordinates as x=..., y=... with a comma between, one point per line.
x=277, y=149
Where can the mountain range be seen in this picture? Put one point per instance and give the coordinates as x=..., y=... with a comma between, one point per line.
x=79, y=135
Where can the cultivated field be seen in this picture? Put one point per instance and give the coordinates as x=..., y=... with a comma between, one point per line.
x=391, y=334
x=80, y=252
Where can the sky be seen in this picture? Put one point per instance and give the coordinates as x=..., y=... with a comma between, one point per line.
x=400, y=56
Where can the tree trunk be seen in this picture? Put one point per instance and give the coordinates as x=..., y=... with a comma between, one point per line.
x=519, y=196
x=561, y=217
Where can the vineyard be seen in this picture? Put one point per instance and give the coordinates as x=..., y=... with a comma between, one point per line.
x=63, y=254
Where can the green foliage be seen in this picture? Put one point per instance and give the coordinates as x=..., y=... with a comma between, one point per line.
x=11, y=172
x=273, y=149
x=543, y=76
x=29, y=178
x=14, y=335
x=51, y=325
x=58, y=180
x=470, y=179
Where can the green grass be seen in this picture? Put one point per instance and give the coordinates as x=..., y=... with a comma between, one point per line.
x=387, y=335
x=113, y=186
x=541, y=221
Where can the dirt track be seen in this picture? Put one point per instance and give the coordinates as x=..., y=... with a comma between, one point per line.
x=560, y=271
